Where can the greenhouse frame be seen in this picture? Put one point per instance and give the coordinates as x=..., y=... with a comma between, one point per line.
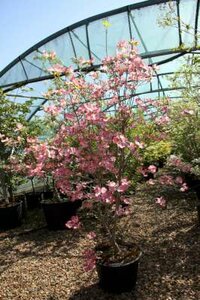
x=100, y=156
x=89, y=38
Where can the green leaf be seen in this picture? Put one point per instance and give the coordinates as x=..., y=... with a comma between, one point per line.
x=106, y=23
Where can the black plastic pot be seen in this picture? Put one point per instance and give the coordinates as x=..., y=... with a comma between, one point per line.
x=197, y=190
x=198, y=213
x=47, y=195
x=57, y=214
x=191, y=180
x=33, y=200
x=11, y=216
x=118, y=278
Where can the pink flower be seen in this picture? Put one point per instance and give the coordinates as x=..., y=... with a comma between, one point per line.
x=53, y=110
x=87, y=204
x=90, y=260
x=151, y=182
x=174, y=161
x=112, y=186
x=19, y=127
x=166, y=180
x=143, y=171
x=185, y=167
x=179, y=180
x=152, y=169
x=69, y=117
x=124, y=185
x=100, y=191
x=186, y=112
x=123, y=211
x=73, y=223
x=162, y=120
x=161, y=201
x=120, y=140
x=113, y=100
x=139, y=144
x=49, y=55
x=57, y=68
x=127, y=200
x=122, y=45
x=184, y=187
x=91, y=235
x=63, y=103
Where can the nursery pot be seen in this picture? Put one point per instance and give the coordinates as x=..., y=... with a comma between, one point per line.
x=33, y=200
x=46, y=195
x=118, y=277
x=197, y=189
x=191, y=181
x=198, y=213
x=58, y=213
x=11, y=215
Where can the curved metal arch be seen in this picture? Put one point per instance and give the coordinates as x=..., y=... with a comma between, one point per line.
x=163, y=56
x=70, y=28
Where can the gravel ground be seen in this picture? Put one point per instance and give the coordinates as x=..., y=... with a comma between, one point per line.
x=36, y=264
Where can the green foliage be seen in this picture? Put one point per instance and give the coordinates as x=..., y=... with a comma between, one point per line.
x=195, y=170
x=185, y=129
x=157, y=152
x=185, y=113
x=106, y=23
x=169, y=18
x=188, y=77
x=14, y=130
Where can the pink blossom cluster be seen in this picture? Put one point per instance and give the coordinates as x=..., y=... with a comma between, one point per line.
x=187, y=112
x=161, y=201
x=144, y=170
x=59, y=69
x=179, y=164
x=90, y=258
x=73, y=223
x=49, y=54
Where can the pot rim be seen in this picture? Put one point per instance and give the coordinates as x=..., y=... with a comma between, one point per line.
x=12, y=204
x=116, y=264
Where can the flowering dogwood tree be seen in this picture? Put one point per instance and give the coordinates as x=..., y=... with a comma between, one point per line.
x=94, y=141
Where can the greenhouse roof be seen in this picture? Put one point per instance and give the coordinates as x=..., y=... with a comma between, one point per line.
x=161, y=45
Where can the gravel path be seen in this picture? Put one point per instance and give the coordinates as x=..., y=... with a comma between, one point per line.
x=44, y=265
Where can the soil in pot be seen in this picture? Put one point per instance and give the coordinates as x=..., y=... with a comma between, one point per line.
x=118, y=274
x=11, y=215
x=57, y=214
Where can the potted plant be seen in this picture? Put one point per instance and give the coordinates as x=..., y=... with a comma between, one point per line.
x=185, y=136
x=41, y=159
x=93, y=149
x=12, y=132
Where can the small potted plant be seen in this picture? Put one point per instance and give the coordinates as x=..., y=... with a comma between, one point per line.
x=42, y=160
